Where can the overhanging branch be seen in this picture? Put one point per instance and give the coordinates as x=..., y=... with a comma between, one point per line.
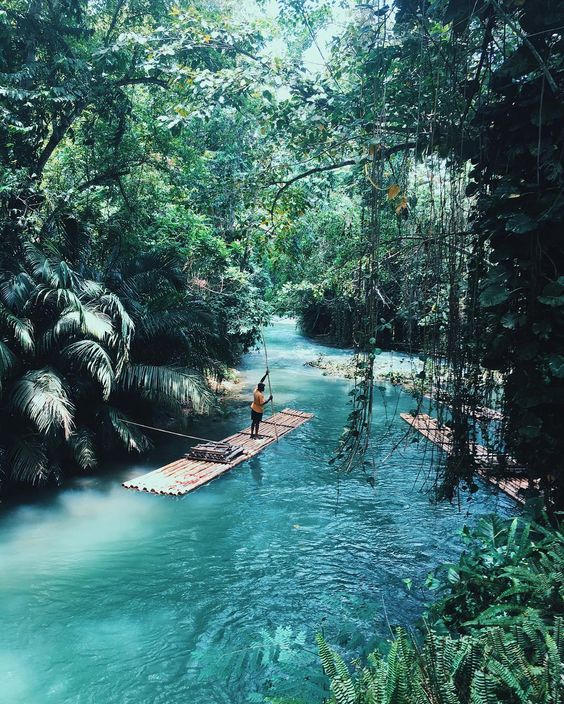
x=383, y=152
x=149, y=80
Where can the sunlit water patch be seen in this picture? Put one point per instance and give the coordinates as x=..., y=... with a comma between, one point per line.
x=110, y=596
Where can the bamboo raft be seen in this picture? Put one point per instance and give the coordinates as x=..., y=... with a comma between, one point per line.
x=186, y=474
x=487, y=461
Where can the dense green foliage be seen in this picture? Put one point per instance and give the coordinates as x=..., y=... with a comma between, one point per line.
x=126, y=281
x=510, y=571
x=164, y=181
x=495, y=636
x=438, y=126
x=518, y=178
x=381, y=199
x=519, y=665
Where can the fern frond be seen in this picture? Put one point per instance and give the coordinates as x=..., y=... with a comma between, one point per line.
x=326, y=656
x=343, y=691
x=507, y=677
x=482, y=689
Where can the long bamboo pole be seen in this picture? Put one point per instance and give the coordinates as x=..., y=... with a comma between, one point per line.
x=269, y=386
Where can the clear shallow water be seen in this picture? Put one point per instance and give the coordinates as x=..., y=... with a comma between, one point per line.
x=110, y=596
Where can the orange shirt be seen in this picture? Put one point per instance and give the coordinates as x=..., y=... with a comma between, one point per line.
x=258, y=402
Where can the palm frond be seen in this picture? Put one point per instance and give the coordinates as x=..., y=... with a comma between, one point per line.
x=169, y=263
x=131, y=437
x=96, y=323
x=8, y=360
x=21, y=329
x=89, y=320
x=41, y=266
x=40, y=397
x=163, y=382
x=26, y=460
x=112, y=306
x=150, y=273
x=92, y=357
x=53, y=272
x=64, y=276
x=84, y=452
x=90, y=289
x=123, y=326
x=60, y=297
x=173, y=323
x=147, y=283
x=16, y=290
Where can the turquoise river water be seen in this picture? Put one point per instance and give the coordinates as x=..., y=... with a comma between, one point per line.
x=110, y=596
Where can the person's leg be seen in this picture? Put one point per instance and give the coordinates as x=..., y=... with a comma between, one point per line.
x=259, y=418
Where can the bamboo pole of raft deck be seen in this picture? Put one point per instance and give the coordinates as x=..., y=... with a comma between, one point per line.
x=269, y=386
x=429, y=428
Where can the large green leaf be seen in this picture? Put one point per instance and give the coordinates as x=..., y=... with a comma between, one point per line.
x=493, y=295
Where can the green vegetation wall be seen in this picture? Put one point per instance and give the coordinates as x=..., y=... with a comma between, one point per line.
x=126, y=285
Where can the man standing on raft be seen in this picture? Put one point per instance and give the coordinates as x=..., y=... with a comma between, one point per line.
x=257, y=406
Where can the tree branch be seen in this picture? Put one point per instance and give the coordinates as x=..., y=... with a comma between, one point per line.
x=107, y=177
x=523, y=36
x=57, y=134
x=141, y=80
x=61, y=128
x=382, y=152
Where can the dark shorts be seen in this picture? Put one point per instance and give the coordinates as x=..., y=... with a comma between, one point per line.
x=256, y=417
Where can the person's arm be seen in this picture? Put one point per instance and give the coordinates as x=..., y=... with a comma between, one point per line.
x=264, y=377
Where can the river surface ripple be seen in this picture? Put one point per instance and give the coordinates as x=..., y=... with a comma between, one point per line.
x=110, y=596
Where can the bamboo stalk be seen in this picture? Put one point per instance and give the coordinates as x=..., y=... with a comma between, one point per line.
x=269, y=386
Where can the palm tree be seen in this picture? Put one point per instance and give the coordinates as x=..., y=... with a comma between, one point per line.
x=70, y=371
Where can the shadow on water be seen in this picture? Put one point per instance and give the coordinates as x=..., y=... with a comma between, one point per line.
x=116, y=596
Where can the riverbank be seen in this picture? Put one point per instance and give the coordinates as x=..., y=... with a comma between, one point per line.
x=382, y=372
